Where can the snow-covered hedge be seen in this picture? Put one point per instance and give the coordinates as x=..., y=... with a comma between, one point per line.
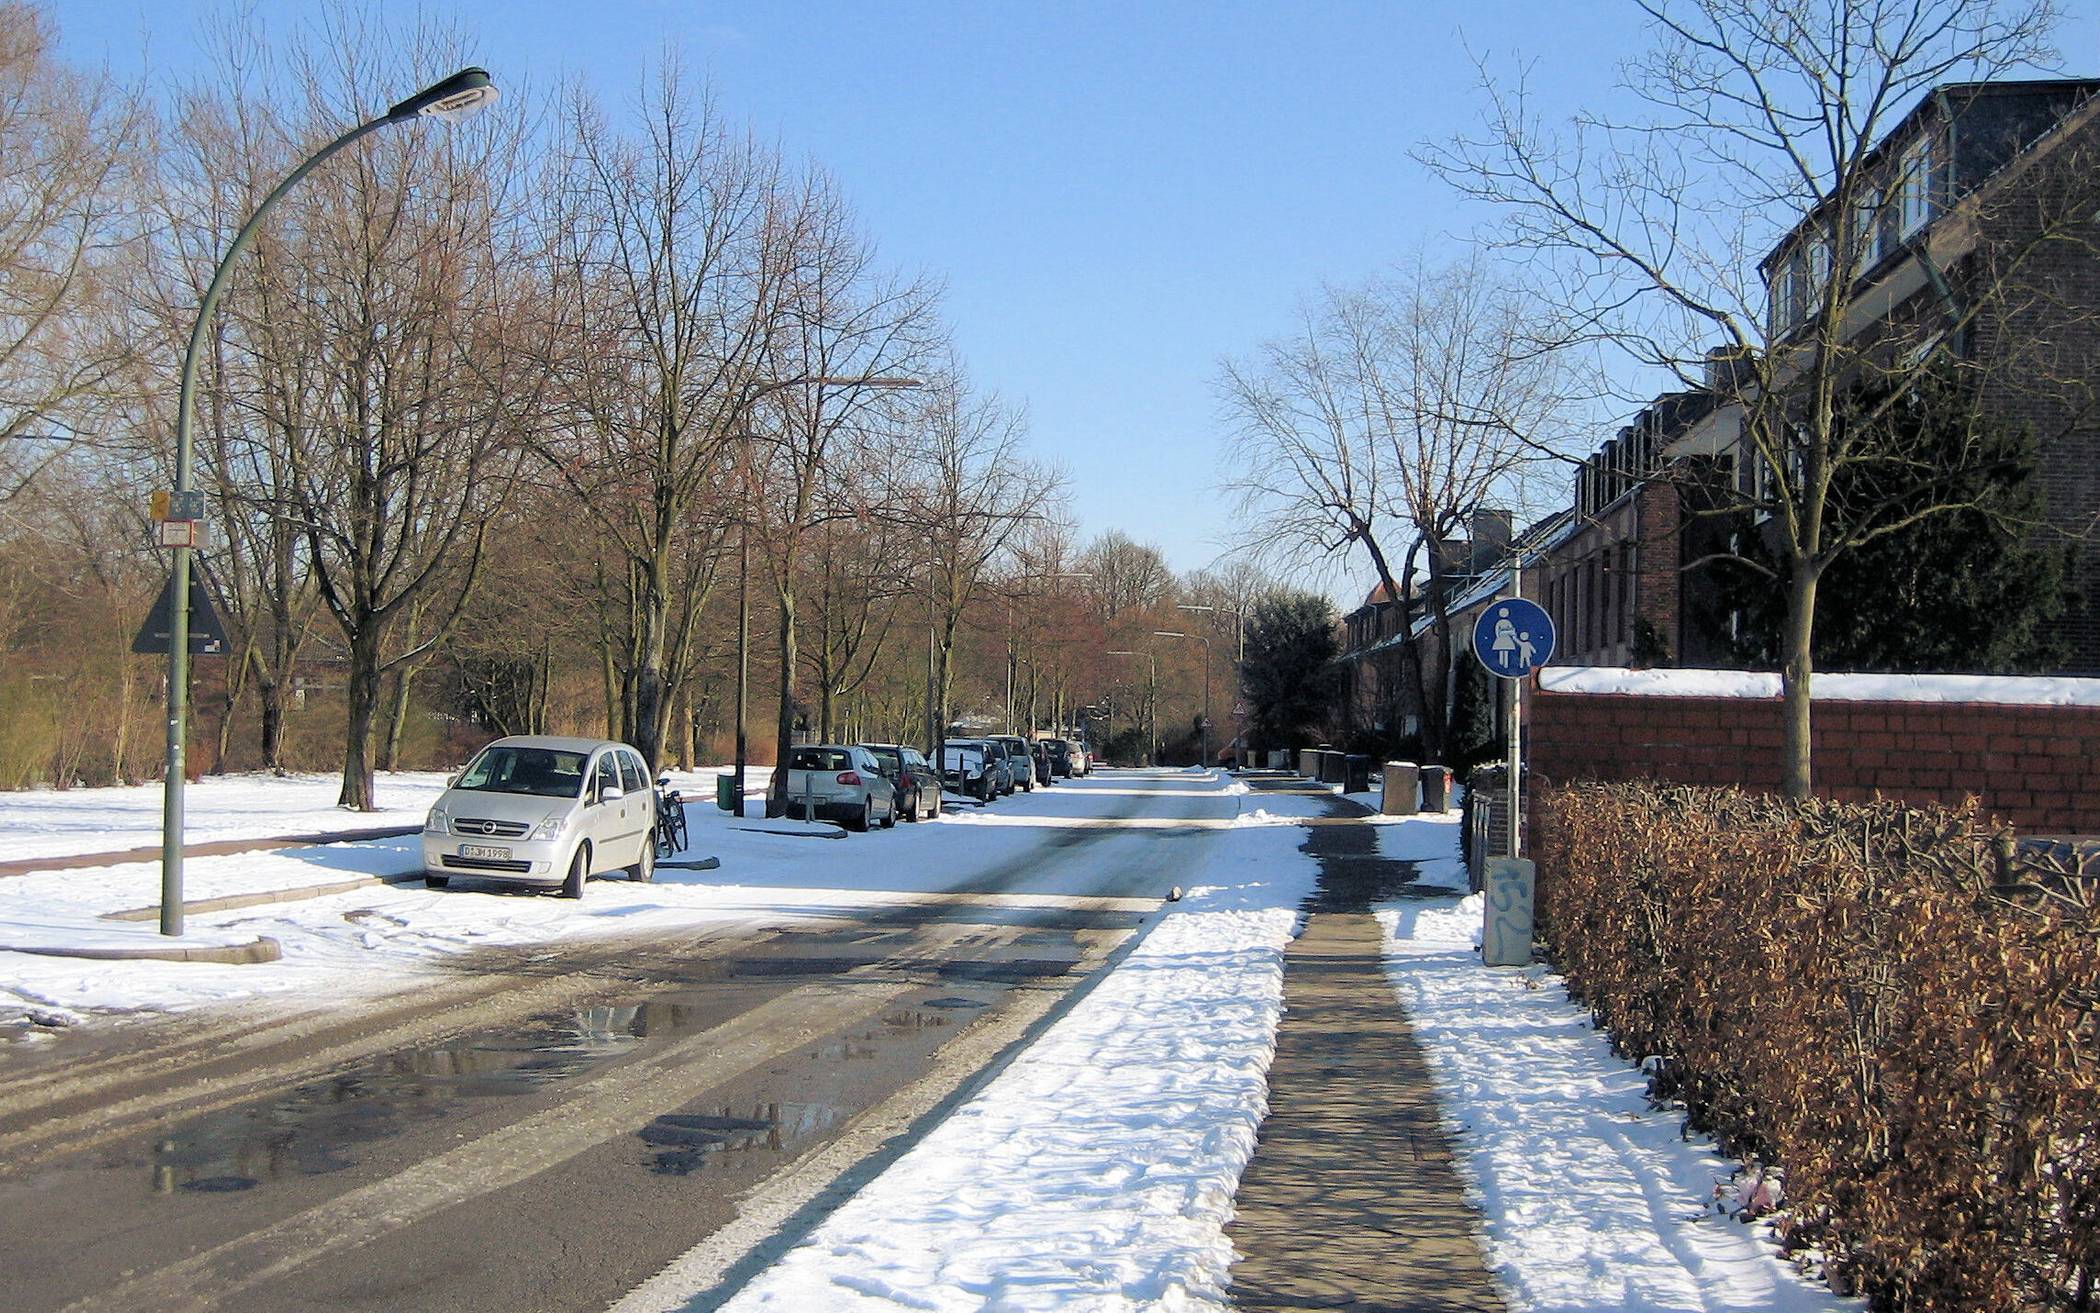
x=1888, y=1002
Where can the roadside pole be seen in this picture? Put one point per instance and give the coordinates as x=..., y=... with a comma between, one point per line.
x=1511, y=639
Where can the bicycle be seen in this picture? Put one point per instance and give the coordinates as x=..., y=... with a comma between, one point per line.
x=670, y=819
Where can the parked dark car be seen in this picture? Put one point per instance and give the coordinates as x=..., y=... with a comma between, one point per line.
x=1060, y=752
x=918, y=788
x=969, y=767
x=1044, y=774
x=1019, y=762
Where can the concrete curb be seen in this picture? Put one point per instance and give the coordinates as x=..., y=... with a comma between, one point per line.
x=263, y=949
x=208, y=848
x=234, y=902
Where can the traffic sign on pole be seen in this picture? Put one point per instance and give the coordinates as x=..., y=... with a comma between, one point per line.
x=206, y=636
x=1513, y=637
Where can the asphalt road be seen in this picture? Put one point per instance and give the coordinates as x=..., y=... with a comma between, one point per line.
x=548, y=1129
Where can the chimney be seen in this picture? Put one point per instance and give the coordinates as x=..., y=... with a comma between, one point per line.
x=1726, y=368
x=1491, y=533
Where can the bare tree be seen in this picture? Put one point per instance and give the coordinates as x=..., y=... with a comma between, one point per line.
x=847, y=336
x=64, y=217
x=1398, y=410
x=411, y=319
x=668, y=272
x=1757, y=152
x=972, y=491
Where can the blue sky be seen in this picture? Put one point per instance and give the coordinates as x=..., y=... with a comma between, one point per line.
x=1114, y=194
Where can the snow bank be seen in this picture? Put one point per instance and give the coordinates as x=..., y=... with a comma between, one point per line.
x=2010, y=690
x=1430, y=842
x=1098, y=1170
x=1592, y=1200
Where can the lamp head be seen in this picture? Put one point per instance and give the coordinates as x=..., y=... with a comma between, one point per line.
x=455, y=98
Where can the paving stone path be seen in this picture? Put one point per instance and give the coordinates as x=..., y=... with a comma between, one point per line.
x=1351, y=1200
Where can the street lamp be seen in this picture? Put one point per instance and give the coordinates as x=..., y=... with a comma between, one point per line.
x=454, y=98
x=1151, y=696
x=1205, y=640
x=752, y=393
x=1239, y=668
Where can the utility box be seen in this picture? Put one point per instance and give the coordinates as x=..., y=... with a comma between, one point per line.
x=1436, y=789
x=1505, y=938
x=1398, y=785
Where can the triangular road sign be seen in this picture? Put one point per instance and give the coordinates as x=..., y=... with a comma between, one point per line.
x=207, y=637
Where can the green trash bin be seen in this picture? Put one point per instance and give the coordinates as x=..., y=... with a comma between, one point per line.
x=725, y=791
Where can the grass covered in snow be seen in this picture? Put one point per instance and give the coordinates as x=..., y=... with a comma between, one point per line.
x=1593, y=1200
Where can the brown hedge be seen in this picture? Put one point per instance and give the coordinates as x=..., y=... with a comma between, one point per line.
x=1897, y=1005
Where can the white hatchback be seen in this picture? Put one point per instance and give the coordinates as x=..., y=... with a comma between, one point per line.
x=545, y=811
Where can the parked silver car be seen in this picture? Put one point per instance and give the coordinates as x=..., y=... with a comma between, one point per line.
x=542, y=810
x=841, y=783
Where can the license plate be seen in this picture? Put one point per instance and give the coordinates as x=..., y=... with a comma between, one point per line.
x=485, y=853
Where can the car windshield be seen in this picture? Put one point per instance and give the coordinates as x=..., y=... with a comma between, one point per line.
x=543, y=772
x=820, y=759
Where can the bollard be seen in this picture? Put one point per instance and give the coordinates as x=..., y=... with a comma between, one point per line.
x=1400, y=782
x=1505, y=939
x=1436, y=789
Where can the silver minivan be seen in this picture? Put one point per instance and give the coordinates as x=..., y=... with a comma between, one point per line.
x=546, y=811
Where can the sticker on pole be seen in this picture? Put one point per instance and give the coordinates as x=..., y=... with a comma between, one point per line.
x=1513, y=637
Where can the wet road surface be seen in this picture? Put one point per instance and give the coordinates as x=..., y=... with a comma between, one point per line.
x=548, y=1128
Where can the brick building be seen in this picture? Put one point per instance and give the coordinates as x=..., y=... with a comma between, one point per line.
x=1983, y=245
x=1983, y=249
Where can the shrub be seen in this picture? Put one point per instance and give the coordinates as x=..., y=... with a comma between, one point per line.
x=1896, y=1004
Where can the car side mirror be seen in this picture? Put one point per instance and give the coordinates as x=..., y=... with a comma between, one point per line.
x=612, y=793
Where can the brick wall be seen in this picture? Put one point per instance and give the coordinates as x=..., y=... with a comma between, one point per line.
x=2030, y=765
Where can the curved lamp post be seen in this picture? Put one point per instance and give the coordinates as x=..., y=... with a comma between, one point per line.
x=454, y=98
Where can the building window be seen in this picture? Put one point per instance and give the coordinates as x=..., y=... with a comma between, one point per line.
x=1914, y=187
x=1632, y=561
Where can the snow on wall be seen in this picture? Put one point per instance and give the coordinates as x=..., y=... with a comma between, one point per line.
x=2003, y=690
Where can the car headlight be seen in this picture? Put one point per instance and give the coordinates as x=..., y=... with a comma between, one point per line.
x=552, y=827
x=437, y=822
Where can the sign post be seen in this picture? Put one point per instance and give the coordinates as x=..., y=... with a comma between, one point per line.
x=1512, y=638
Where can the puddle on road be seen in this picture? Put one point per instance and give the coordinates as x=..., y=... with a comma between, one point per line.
x=324, y=1126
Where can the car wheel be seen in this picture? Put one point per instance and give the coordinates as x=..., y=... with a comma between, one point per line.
x=436, y=881
x=643, y=871
x=934, y=811
x=864, y=822
x=891, y=823
x=911, y=813
x=579, y=871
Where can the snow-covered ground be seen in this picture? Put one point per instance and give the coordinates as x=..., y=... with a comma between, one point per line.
x=1592, y=1199
x=377, y=939
x=68, y=822
x=1097, y=1171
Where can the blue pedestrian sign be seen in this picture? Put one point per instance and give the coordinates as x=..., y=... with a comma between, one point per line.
x=1513, y=637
